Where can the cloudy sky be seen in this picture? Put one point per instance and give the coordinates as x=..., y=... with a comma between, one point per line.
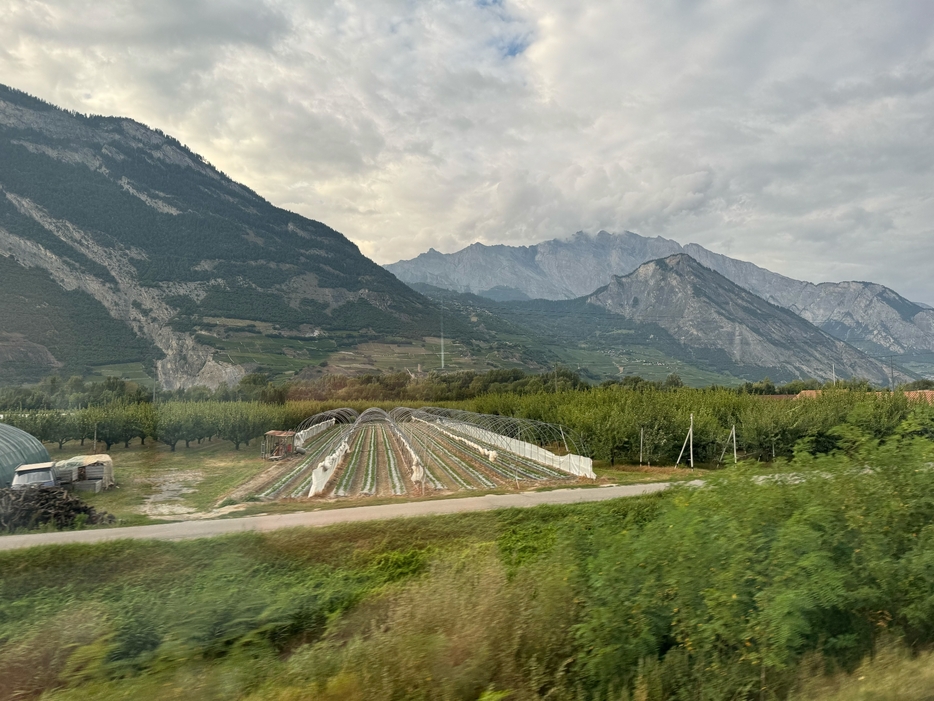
x=797, y=135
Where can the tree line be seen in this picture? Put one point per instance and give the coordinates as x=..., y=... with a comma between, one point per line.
x=54, y=392
x=170, y=423
x=618, y=423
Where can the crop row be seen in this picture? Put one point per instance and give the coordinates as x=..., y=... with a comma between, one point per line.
x=313, y=448
x=395, y=476
x=345, y=482
x=526, y=467
x=369, y=477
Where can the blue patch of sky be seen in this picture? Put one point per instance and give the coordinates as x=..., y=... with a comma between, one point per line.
x=511, y=36
x=513, y=46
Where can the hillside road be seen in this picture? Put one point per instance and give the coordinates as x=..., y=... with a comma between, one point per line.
x=185, y=530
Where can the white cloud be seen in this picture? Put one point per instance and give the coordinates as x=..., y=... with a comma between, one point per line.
x=797, y=135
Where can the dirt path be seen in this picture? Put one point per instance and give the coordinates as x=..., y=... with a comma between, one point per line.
x=208, y=528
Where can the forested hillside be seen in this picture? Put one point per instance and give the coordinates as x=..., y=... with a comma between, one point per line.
x=135, y=239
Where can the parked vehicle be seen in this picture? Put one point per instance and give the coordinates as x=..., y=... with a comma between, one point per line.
x=36, y=475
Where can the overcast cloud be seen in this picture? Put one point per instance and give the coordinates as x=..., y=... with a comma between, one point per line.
x=797, y=135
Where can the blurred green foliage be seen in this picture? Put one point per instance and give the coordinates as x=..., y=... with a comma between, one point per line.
x=744, y=588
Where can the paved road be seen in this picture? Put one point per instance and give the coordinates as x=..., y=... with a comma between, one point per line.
x=204, y=529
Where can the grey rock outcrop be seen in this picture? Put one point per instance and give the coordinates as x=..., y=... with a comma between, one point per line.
x=868, y=315
x=704, y=310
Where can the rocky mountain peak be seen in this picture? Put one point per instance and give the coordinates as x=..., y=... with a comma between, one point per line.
x=702, y=309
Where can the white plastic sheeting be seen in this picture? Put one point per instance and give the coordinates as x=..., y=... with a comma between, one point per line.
x=321, y=475
x=302, y=436
x=571, y=464
x=418, y=470
x=491, y=454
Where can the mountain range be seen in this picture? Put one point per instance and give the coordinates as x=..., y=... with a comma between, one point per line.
x=123, y=252
x=676, y=313
x=869, y=316
x=704, y=311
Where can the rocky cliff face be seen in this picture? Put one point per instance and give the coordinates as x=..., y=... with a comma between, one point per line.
x=702, y=309
x=555, y=269
x=123, y=216
x=870, y=316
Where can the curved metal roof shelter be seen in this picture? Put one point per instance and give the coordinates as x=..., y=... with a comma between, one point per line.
x=529, y=430
x=340, y=416
x=17, y=448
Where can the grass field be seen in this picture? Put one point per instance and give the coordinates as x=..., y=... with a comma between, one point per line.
x=282, y=615
x=124, y=371
x=154, y=482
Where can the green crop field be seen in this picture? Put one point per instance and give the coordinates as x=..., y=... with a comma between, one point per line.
x=134, y=372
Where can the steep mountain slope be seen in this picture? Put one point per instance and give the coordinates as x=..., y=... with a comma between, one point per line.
x=870, y=316
x=134, y=241
x=702, y=309
x=867, y=315
x=670, y=315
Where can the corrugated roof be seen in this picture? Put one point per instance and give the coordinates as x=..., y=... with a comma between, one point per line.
x=17, y=448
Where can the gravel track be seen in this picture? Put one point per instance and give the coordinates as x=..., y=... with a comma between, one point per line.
x=187, y=530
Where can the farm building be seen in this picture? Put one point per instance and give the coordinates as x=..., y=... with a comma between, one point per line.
x=17, y=448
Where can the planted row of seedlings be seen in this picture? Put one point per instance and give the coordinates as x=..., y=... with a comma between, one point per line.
x=345, y=481
x=396, y=482
x=312, y=451
x=526, y=467
x=377, y=462
x=369, y=476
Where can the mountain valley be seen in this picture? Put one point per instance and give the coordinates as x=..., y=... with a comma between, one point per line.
x=124, y=253
x=868, y=316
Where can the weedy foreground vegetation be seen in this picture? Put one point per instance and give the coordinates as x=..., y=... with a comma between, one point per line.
x=814, y=582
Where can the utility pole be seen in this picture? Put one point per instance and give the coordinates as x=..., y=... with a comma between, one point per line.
x=442, y=334
x=641, y=442
x=732, y=437
x=688, y=441
x=556, y=378
x=833, y=371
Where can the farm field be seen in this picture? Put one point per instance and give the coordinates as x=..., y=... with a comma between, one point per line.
x=283, y=358
x=212, y=480
x=378, y=459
